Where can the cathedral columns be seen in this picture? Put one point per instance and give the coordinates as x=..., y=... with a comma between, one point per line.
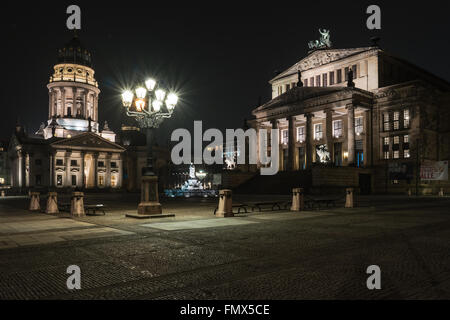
x=277, y=144
x=108, y=170
x=291, y=143
x=63, y=102
x=83, y=179
x=96, y=107
x=85, y=99
x=329, y=132
x=67, y=162
x=95, y=170
x=351, y=134
x=309, y=139
x=120, y=173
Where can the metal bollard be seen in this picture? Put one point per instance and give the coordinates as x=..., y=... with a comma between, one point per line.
x=225, y=208
x=349, y=201
x=52, y=203
x=77, y=204
x=298, y=203
x=35, y=201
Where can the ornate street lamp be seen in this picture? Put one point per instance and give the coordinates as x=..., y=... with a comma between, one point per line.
x=149, y=105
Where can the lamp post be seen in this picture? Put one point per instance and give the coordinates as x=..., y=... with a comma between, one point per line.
x=149, y=105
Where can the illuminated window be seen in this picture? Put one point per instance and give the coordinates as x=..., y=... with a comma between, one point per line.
x=113, y=181
x=396, y=140
x=406, y=118
x=406, y=153
x=406, y=139
x=284, y=136
x=318, y=134
x=301, y=134
x=2, y=180
x=359, y=128
x=396, y=154
x=101, y=181
x=337, y=128
x=386, y=126
x=59, y=180
x=396, y=120
x=386, y=154
x=386, y=141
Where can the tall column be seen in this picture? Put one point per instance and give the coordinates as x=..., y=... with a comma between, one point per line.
x=277, y=145
x=85, y=99
x=367, y=132
x=108, y=170
x=20, y=168
x=50, y=101
x=291, y=143
x=120, y=173
x=329, y=133
x=63, y=102
x=96, y=107
x=309, y=139
x=351, y=134
x=95, y=170
x=51, y=170
x=83, y=185
x=67, y=160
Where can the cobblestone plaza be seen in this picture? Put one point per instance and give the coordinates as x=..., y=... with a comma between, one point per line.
x=320, y=254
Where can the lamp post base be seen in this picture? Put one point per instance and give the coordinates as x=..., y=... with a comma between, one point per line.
x=148, y=208
x=149, y=196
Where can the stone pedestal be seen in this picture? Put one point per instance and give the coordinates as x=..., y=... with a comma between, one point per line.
x=225, y=208
x=409, y=192
x=349, y=198
x=52, y=203
x=298, y=203
x=3, y=194
x=35, y=201
x=441, y=192
x=77, y=204
x=149, y=196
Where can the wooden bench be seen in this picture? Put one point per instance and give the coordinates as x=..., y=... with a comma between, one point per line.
x=91, y=209
x=271, y=204
x=239, y=206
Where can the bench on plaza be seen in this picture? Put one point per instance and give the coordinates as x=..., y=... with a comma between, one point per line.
x=91, y=209
x=270, y=204
x=239, y=206
x=311, y=201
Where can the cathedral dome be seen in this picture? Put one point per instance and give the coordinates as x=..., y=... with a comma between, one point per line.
x=74, y=52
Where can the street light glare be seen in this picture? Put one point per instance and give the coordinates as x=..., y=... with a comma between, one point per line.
x=172, y=99
x=150, y=84
x=127, y=98
x=141, y=92
x=160, y=94
x=157, y=105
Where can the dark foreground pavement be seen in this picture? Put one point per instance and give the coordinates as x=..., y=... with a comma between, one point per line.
x=270, y=255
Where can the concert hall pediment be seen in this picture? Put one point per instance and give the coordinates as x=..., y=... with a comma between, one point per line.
x=321, y=57
x=88, y=141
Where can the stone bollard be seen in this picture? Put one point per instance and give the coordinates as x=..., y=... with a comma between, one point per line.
x=349, y=201
x=35, y=204
x=441, y=192
x=225, y=208
x=409, y=192
x=77, y=204
x=52, y=203
x=3, y=194
x=298, y=203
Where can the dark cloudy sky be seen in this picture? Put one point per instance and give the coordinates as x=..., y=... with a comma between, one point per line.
x=218, y=55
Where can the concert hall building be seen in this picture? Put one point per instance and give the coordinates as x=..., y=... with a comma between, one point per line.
x=358, y=117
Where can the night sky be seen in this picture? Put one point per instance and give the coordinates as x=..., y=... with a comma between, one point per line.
x=218, y=55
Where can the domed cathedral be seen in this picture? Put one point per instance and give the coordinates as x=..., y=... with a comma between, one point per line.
x=73, y=95
x=70, y=149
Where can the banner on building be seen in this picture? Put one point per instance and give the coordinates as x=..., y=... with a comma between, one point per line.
x=434, y=170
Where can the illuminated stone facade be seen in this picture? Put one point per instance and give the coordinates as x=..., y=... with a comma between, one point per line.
x=393, y=115
x=69, y=150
